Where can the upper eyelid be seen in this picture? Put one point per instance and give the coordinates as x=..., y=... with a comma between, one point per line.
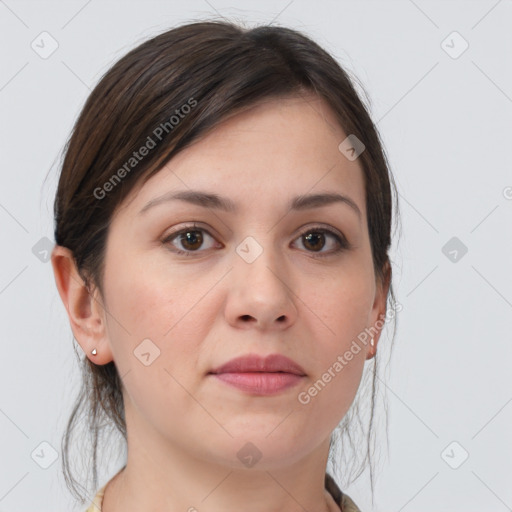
x=301, y=230
x=322, y=228
x=191, y=227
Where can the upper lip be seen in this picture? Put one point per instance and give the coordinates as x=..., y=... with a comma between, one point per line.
x=254, y=363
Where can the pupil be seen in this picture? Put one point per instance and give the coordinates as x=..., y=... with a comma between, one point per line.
x=193, y=239
x=313, y=239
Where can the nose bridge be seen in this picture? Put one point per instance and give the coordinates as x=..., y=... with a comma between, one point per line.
x=258, y=261
x=259, y=283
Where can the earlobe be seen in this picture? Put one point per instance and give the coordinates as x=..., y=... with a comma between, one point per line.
x=372, y=350
x=85, y=311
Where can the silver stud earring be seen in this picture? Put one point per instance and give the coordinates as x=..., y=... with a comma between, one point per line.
x=372, y=342
x=93, y=352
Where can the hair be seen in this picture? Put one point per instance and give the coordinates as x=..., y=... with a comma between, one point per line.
x=173, y=89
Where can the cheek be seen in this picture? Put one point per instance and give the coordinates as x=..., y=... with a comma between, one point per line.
x=330, y=396
x=151, y=300
x=342, y=308
x=148, y=306
x=158, y=303
x=343, y=303
x=333, y=385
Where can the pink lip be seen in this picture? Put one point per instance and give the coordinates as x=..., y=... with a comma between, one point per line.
x=260, y=375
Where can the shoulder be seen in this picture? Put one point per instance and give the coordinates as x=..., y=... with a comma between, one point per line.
x=95, y=506
x=344, y=501
x=347, y=505
x=97, y=503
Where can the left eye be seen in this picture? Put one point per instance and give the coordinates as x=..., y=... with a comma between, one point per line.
x=314, y=240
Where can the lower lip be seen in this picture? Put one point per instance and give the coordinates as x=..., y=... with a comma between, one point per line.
x=260, y=383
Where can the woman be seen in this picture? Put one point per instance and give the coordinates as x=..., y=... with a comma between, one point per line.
x=222, y=232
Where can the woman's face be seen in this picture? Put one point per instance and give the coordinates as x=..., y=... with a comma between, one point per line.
x=265, y=276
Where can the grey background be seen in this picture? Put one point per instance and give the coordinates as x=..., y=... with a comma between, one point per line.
x=446, y=124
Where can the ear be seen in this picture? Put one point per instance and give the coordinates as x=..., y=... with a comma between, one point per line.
x=84, y=307
x=378, y=314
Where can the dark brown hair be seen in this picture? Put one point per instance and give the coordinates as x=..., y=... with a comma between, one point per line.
x=217, y=69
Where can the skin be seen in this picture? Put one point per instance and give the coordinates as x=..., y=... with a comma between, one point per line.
x=185, y=427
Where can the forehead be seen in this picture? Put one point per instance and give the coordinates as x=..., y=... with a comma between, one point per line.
x=272, y=151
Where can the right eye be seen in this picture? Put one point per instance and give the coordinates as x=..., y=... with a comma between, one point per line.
x=189, y=240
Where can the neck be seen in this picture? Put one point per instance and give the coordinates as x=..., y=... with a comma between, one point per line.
x=167, y=477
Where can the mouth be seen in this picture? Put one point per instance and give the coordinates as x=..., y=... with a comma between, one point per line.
x=259, y=375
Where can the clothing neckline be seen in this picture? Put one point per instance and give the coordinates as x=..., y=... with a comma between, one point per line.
x=330, y=484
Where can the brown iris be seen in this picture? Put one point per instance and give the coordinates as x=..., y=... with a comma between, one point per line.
x=192, y=239
x=315, y=241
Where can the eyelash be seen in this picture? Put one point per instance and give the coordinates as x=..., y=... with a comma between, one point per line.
x=340, y=239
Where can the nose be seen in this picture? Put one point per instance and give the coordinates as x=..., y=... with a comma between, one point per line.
x=260, y=294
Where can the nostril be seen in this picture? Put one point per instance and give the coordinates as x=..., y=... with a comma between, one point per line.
x=246, y=317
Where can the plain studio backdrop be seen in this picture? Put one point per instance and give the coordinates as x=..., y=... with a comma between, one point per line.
x=439, y=76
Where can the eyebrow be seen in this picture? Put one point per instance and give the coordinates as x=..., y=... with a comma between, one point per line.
x=208, y=200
